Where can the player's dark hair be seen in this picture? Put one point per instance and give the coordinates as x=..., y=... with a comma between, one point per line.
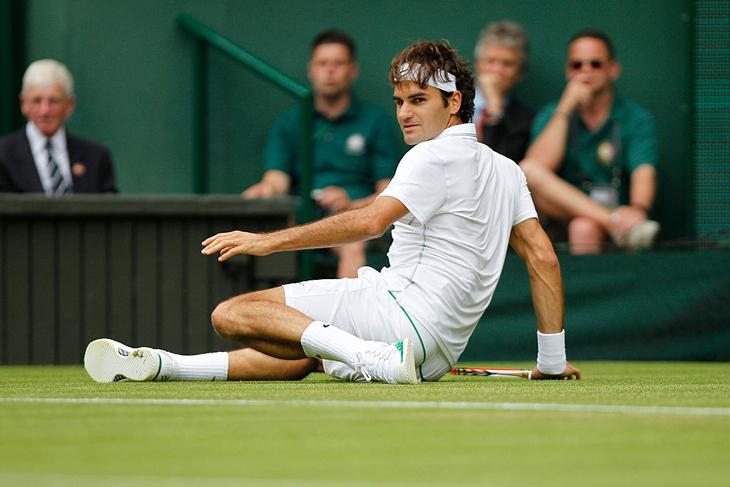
x=432, y=57
x=595, y=34
x=335, y=36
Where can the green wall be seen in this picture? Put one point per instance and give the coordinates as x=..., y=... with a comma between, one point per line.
x=134, y=80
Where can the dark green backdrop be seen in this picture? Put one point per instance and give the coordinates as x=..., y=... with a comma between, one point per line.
x=134, y=80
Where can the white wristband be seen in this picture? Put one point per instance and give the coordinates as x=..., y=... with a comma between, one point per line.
x=551, y=353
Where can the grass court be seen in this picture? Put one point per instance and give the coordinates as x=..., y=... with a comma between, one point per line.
x=627, y=423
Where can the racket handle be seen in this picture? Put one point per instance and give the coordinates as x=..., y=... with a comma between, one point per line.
x=492, y=371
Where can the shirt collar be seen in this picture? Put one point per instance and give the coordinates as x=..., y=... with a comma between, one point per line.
x=459, y=130
x=350, y=112
x=37, y=139
x=614, y=115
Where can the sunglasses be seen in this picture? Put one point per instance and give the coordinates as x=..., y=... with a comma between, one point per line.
x=593, y=63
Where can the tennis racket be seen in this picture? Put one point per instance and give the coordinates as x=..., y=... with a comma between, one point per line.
x=491, y=371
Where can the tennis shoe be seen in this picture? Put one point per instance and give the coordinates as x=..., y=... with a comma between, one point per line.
x=392, y=363
x=107, y=360
x=641, y=236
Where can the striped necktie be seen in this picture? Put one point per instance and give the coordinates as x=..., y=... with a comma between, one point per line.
x=58, y=184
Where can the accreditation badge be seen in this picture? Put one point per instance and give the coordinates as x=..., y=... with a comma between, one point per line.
x=605, y=195
x=606, y=153
x=355, y=145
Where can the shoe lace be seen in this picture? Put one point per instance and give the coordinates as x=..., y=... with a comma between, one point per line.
x=374, y=363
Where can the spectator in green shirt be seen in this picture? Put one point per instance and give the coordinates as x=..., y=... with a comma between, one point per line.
x=592, y=160
x=355, y=146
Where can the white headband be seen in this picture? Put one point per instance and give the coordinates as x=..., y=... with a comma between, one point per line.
x=408, y=73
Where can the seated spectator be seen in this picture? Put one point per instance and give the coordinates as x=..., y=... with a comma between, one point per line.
x=503, y=121
x=355, y=148
x=592, y=162
x=43, y=157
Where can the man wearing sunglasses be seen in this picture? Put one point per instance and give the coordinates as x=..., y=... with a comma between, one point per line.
x=592, y=160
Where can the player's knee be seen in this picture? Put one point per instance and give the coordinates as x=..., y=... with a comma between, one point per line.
x=218, y=319
x=224, y=321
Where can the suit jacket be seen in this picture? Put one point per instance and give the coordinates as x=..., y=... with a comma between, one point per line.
x=91, y=166
x=511, y=136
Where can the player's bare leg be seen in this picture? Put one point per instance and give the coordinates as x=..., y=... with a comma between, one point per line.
x=283, y=344
x=264, y=322
x=250, y=364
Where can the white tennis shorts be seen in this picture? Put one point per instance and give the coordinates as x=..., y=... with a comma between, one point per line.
x=365, y=308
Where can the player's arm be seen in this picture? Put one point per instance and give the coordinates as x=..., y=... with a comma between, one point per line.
x=351, y=226
x=532, y=244
x=274, y=183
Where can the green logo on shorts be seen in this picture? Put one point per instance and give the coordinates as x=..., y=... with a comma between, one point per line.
x=399, y=346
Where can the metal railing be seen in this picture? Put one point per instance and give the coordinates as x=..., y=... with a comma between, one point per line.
x=207, y=37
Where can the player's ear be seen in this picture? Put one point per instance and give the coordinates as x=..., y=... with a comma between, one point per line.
x=455, y=102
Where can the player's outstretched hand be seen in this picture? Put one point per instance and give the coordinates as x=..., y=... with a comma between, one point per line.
x=229, y=244
x=569, y=373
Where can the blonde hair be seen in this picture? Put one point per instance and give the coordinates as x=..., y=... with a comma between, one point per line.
x=47, y=72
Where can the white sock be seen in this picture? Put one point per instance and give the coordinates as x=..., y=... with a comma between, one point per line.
x=325, y=341
x=206, y=366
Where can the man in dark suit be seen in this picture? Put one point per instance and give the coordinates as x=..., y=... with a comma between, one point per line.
x=42, y=157
x=503, y=122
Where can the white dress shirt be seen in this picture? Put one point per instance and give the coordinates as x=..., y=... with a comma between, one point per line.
x=40, y=155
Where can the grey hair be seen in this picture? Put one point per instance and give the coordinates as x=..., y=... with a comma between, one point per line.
x=47, y=72
x=504, y=33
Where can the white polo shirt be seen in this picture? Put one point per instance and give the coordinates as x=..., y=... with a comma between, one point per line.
x=448, y=251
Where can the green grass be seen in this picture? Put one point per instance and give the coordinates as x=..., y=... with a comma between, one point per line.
x=331, y=441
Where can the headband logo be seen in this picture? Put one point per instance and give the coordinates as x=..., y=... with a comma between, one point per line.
x=441, y=80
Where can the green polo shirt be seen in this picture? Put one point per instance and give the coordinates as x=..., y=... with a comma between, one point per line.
x=626, y=140
x=353, y=151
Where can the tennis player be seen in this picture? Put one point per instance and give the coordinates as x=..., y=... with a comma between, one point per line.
x=456, y=206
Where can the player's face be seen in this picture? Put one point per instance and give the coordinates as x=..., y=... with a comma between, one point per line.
x=589, y=63
x=421, y=113
x=503, y=62
x=46, y=106
x=331, y=70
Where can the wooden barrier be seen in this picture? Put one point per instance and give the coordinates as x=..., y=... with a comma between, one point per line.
x=127, y=267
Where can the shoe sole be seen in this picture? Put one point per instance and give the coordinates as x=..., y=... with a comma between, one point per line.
x=643, y=236
x=108, y=361
x=409, y=360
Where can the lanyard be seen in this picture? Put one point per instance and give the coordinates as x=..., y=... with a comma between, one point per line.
x=612, y=152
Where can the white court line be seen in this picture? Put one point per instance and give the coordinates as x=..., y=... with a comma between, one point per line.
x=82, y=480
x=439, y=405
